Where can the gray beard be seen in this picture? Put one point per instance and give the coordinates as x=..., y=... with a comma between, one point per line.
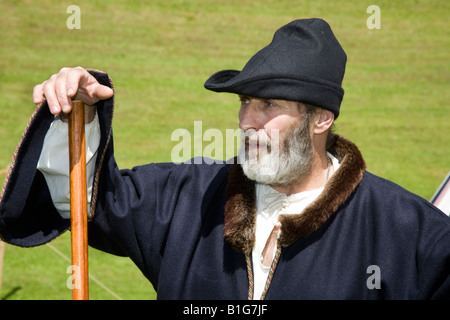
x=277, y=164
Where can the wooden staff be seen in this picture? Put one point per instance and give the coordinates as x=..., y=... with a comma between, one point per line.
x=78, y=202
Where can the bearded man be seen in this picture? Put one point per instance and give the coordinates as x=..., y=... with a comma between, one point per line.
x=295, y=216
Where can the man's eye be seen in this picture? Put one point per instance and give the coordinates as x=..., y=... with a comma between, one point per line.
x=245, y=100
x=270, y=104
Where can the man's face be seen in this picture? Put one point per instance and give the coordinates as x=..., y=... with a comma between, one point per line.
x=276, y=141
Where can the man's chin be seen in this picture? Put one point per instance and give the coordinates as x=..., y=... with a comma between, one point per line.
x=258, y=174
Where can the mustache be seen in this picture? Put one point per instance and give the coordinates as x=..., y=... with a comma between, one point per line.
x=259, y=139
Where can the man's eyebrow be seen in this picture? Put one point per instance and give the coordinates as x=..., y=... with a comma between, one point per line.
x=242, y=97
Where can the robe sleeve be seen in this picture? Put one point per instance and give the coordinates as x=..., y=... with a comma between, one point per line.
x=28, y=216
x=146, y=213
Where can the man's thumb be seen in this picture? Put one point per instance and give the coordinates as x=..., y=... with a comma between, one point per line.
x=103, y=92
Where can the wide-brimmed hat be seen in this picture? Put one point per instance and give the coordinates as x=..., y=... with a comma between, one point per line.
x=304, y=62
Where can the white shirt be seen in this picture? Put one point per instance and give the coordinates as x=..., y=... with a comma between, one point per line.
x=54, y=162
x=270, y=204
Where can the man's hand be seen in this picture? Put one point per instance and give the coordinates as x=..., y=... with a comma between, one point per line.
x=67, y=84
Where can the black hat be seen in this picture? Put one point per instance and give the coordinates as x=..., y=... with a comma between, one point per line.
x=304, y=62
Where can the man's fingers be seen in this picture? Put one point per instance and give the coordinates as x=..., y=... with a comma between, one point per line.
x=38, y=94
x=68, y=84
x=50, y=95
x=61, y=92
x=74, y=78
x=89, y=90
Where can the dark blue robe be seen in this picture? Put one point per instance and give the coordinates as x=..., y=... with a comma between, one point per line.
x=190, y=227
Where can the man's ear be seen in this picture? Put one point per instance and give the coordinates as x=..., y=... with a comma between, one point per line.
x=323, y=121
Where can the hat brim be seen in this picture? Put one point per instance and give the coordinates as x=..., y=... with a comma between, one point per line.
x=288, y=87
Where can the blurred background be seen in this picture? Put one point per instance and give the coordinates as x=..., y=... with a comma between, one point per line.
x=159, y=53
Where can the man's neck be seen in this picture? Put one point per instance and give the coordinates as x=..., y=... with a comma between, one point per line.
x=316, y=179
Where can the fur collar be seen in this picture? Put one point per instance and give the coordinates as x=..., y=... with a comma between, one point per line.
x=240, y=206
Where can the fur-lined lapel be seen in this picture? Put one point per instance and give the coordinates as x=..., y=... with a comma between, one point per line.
x=240, y=206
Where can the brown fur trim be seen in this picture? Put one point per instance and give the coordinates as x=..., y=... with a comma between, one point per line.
x=338, y=189
x=240, y=207
x=240, y=210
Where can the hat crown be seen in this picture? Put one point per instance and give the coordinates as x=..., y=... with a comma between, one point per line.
x=304, y=62
x=305, y=48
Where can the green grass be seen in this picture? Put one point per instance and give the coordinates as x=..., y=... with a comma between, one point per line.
x=159, y=53
x=41, y=273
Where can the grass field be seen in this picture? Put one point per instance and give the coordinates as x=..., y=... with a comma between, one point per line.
x=159, y=53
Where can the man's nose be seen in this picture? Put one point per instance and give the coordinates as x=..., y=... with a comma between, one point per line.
x=250, y=117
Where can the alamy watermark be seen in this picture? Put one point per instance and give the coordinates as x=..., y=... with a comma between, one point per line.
x=374, y=20
x=374, y=280
x=74, y=280
x=74, y=20
x=213, y=145
x=217, y=145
